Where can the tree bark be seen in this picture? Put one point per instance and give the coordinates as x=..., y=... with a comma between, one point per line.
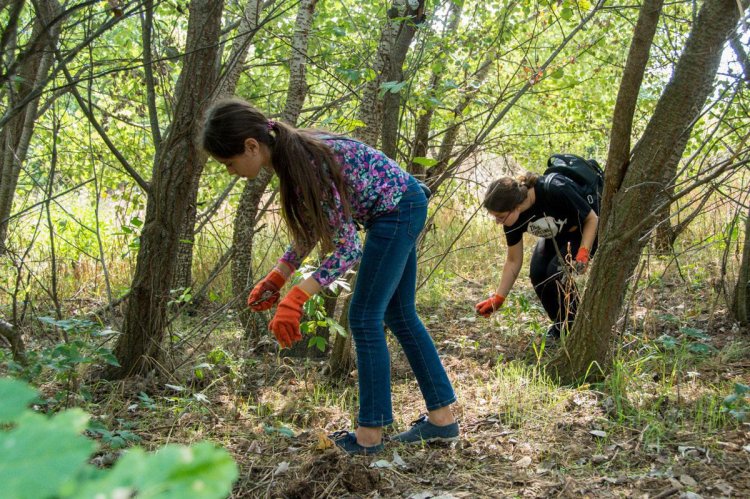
x=371, y=105
x=225, y=88
x=297, y=91
x=741, y=301
x=342, y=362
x=586, y=353
x=242, y=264
x=138, y=348
x=395, y=73
x=243, y=277
x=664, y=234
x=627, y=98
x=15, y=136
x=739, y=51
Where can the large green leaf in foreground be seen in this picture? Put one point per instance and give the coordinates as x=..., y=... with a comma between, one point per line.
x=47, y=457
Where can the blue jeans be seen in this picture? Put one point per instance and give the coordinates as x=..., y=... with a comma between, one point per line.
x=385, y=292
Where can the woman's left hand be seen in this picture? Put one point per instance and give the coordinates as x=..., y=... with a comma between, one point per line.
x=581, y=262
x=285, y=323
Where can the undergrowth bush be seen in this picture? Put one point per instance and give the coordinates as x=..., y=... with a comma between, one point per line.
x=44, y=456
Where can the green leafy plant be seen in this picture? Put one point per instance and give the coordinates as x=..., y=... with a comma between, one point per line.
x=115, y=439
x=696, y=341
x=81, y=344
x=316, y=313
x=33, y=446
x=737, y=403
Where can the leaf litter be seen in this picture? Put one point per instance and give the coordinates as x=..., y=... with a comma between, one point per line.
x=521, y=435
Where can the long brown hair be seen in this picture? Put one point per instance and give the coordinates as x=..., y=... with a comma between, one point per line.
x=505, y=193
x=309, y=175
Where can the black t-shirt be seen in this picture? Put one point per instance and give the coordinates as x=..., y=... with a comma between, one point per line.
x=555, y=211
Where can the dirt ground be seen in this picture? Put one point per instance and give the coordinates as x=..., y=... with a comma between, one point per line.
x=521, y=436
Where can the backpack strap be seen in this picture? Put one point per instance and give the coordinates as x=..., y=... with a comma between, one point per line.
x=546, y=181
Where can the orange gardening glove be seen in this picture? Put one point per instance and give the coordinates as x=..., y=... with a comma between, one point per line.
x=582, y=260
x=266, y=292
x=285, y=324
x=491, y=304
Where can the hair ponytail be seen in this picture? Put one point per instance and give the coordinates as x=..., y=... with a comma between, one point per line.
x=506, y=193
x=309, y=176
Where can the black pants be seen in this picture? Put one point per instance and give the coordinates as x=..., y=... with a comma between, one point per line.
x=549, y=277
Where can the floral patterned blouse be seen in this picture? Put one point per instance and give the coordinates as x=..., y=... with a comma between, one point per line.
x=375, y=184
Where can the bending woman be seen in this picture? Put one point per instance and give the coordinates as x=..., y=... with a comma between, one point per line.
x=328, y=185
x=566, y=226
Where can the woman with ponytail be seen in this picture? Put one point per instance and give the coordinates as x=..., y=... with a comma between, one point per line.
x=328, y=185
x=566, y=226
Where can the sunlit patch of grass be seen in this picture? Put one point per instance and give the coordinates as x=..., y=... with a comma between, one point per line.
x=522, y=392
x=733, y=352
x=658, y=389
x=514, y=393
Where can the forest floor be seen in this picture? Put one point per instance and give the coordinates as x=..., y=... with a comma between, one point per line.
x=657, y=427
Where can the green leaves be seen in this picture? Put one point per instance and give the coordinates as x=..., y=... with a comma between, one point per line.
x=15, y=396
x=55, y=449
x=175, y=471
x=426, y=162
x=37, y=446
x=393, y=87
x=737, y=403
x=318, y=342
x=695, y=340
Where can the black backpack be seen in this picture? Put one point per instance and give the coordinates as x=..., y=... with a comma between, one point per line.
x=587, y=174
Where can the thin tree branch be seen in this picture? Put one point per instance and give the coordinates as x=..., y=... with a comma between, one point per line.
x=491, y=126
x=90, y=115
x=26, y=210
x=147, y=21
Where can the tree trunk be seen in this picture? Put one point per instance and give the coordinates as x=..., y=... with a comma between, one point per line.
x=15, y=136
x=243, y=277
x=138, y=348
x=341, y=362
x=225, y=88
x=371, y=106
x=297, y=91
x=424, y=122
x=664, y=233
x=653, y=165
x=242, y=264
x=741, y=301
x=627, y=98
x=741, y=298
x=395, y=73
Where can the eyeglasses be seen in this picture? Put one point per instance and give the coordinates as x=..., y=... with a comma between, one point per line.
x=499, y=217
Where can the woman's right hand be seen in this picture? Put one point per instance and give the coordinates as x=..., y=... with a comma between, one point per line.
x=266, y=292
x=491, y=304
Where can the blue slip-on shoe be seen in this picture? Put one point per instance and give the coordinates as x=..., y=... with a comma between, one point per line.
x=347, y=441
x=424, y=431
